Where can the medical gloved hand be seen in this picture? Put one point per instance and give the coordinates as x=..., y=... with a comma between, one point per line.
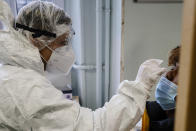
x=149, y=72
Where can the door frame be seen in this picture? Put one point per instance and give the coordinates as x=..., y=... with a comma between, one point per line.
x=185, y=119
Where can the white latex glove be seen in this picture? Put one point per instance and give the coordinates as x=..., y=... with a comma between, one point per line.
x=149, y=72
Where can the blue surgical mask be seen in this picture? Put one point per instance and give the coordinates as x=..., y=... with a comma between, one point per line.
x=165, y=94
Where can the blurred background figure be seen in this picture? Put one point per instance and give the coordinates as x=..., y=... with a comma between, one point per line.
x=159, y=114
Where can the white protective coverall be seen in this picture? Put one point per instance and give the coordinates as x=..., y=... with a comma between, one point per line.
x=29, y=102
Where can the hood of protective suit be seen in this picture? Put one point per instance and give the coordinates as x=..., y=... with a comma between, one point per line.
x=15, y=49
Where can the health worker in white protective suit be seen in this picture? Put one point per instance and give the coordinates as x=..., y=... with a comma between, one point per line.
x=29, y=101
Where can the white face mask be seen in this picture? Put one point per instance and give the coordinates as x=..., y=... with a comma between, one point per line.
x=61, y=60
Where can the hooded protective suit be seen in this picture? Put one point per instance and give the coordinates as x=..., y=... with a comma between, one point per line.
x=29, y=102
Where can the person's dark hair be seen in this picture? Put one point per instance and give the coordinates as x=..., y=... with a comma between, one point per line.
x=174, y=56
x=173, y=60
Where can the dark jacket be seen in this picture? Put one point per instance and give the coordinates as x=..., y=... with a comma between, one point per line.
x=159, y=120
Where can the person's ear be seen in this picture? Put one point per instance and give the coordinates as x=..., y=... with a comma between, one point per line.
x=172, y=74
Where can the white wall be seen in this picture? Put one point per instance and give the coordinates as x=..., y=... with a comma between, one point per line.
x=151, y=31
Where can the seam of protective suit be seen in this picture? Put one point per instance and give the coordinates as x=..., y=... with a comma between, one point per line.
x=25, y=116
x=15, y=103
x=77, y=118
x=93, y=117
x=11, y=96
x=140, y=85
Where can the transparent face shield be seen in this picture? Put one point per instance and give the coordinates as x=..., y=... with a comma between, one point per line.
x=61, y=39
x=64, y=39
x=45, y=24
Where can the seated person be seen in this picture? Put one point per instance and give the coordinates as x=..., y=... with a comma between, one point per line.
x=160, y=113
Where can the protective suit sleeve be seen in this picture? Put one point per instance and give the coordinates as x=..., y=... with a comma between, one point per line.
x=124, y=110
x=41, y=107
